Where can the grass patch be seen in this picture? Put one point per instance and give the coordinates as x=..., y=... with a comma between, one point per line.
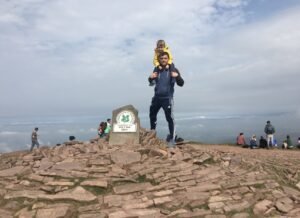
x=259, y=186
x=143, y=179
x=202, y=205
x=209, y=161
x=196, y=143
x=77, y=181
x=98, y=190
x=19, y=177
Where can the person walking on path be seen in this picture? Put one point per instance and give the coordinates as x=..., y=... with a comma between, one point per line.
x=34, y=139
x=164, y=79
x=269, y=130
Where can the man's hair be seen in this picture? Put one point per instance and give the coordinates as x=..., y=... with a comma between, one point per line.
x=36, y=129
x=163, y=54
x=108, y=119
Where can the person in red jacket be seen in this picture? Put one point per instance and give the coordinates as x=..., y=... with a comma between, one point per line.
x=240, y=140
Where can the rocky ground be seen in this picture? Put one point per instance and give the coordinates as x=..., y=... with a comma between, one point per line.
x=95, y=180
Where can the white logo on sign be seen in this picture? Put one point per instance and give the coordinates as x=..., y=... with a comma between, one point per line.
x=125, y=122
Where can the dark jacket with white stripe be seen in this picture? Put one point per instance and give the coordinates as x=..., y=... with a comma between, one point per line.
x=164, y=83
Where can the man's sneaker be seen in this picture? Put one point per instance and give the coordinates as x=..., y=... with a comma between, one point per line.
x=168, y=138
x=178, y=139
x=171, y=143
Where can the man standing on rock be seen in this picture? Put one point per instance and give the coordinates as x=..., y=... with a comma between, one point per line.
x=269, y=130
x=34, y=139
x=164, y=78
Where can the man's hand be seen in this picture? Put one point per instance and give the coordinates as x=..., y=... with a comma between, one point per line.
x=174, y=74
x=154, y=75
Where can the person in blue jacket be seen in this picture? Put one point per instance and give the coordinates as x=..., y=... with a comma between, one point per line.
x=164, y=78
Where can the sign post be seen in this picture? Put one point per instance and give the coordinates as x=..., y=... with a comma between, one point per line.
x=125, y=126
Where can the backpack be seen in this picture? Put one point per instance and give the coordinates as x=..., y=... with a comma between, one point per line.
x=269, y=129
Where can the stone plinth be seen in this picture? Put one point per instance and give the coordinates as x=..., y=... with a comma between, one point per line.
x=125, y=126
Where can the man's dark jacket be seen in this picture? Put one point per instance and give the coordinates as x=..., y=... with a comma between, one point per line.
x=164, y=83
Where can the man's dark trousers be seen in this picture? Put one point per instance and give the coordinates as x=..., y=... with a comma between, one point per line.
x=167, y=104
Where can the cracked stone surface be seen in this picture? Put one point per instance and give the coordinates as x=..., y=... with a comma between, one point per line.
x=96, y=179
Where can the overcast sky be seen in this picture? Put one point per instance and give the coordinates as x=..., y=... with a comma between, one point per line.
x=81, y=57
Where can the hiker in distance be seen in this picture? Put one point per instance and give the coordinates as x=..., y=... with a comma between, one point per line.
x=164, y=78
x=34, y=139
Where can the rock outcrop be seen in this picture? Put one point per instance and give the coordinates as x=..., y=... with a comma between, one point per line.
x=96, y=179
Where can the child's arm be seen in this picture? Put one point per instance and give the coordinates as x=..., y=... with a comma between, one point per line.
x=170, y=57
x=155, y=59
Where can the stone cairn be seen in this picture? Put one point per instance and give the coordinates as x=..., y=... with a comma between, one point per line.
x=97, y=180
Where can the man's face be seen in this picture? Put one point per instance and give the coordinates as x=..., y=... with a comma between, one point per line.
x=163, y=60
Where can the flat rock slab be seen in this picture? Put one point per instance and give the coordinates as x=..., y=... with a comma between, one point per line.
x=11, y=171
x=141, y=213
x=219, y=198
x=262, y=206
x=216, y=205
x=66, y=166
x=237, y=206
x=241, y=215
x=56, y=211
x=116, y=200
x=24, y=213
x=196, y=214
x=130, y=188
x=77, y=194
x=200, y=160
x=125, y=157
x=95, y=183
x=93, y=215
x=284, y=204
x=163, y=193
x=291, y=191
x=60, y=183
x=194, y=195
x=5, y=214
x=99, y=162
x=162, y=200
x=298, y=185
x=204, y=187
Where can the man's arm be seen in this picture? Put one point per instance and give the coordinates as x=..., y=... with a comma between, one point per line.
x=177, y=76
x=265, y=129
x=153, y=76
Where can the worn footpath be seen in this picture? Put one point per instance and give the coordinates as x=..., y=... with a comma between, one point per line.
x=96, y=180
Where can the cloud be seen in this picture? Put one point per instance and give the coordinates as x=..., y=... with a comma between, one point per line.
x=69, y=56
x=8, y=133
